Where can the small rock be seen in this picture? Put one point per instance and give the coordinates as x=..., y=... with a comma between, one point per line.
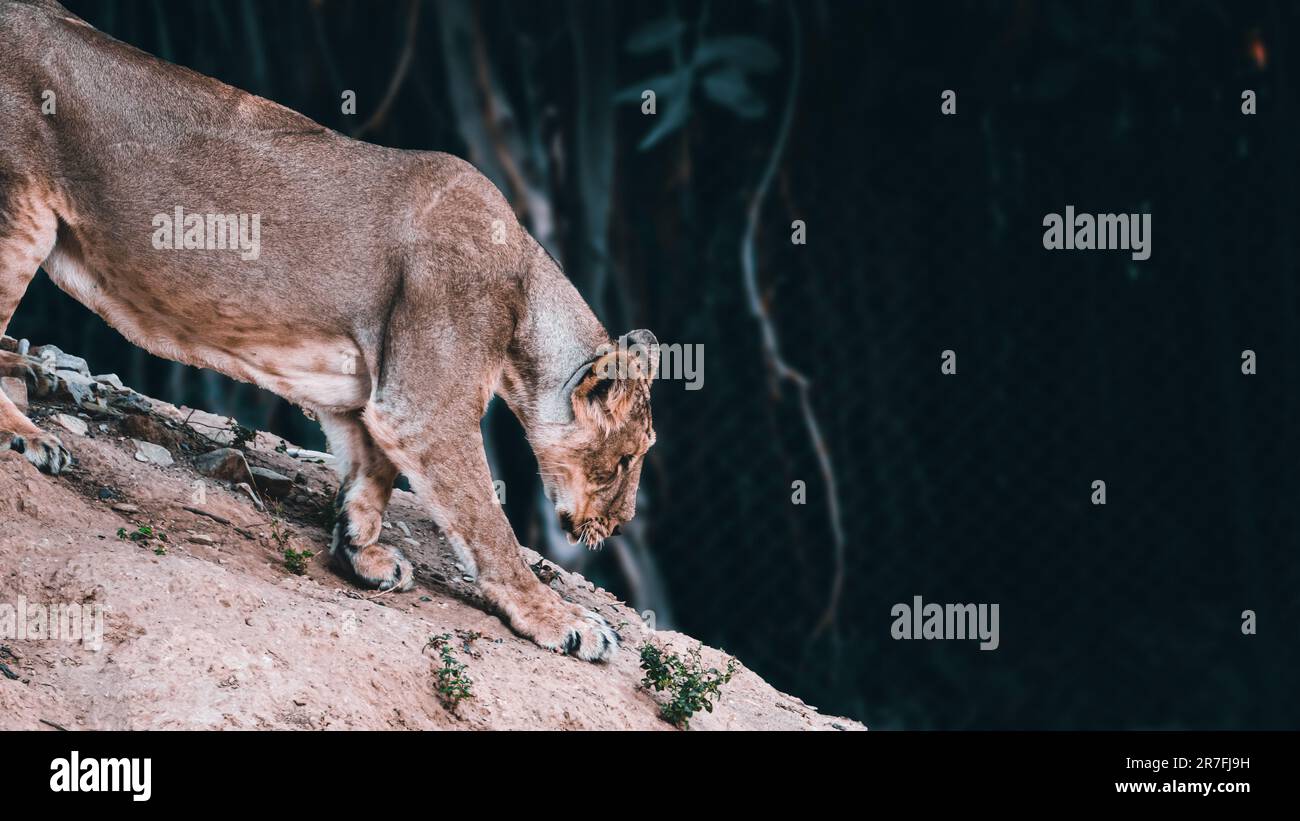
x=112, y=380
x=201, y=538
x=309, y=455
x=128, y=402
x=72, y=424
x=226, y=464
x=216, y=428
x=273, y=484
x=125, y=508
x=60, y=360
x=76, y=387
x=149, y=452
x=106, y=493
x=257, y=503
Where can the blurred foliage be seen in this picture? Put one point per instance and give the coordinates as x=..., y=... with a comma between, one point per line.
x=718, y=66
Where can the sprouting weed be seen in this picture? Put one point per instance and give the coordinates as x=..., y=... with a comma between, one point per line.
x=690, y=686
x=453, y=686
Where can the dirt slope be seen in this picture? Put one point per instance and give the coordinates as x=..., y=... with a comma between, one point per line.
x=208, y=629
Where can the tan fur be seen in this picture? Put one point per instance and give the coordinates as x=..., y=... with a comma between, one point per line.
x=393, y=295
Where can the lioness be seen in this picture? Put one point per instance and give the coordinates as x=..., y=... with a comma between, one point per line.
x=390, y=292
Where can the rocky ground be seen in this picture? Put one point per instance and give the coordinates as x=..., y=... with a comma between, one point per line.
x=176, y=523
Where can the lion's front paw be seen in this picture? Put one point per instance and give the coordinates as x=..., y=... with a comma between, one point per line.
x=374, y=565
x=563, y=627
x=43, y=450
x=377, y=566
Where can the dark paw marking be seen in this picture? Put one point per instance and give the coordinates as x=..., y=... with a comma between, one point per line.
x=601, y=644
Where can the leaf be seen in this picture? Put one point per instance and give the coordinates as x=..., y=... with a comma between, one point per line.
x=745, y=52
x=672, y=115
x=729, y=88
x=655, y=36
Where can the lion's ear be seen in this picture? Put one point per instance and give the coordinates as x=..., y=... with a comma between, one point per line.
x=606, y=389
x=642, y=349
x=599, y=396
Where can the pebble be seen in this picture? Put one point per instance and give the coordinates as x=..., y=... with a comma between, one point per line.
x=77, y=387
x=151, y=453
x=61, y=361
x=273, y=484
x=125, y=508
x=224, y=463
x=72, y=424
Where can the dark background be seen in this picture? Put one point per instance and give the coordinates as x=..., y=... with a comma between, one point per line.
x=924, y=234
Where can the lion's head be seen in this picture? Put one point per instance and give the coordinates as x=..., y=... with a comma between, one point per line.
x=592, y=470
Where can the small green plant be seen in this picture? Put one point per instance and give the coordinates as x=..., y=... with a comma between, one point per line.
x=279, y=532
x=160, y=550
x=239, y=435
x=690, y=686
x=453, y=685
x=295, y=561
x=143, y=534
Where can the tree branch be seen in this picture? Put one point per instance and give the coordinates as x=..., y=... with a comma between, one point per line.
x=778, y=369
x=399, y=73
